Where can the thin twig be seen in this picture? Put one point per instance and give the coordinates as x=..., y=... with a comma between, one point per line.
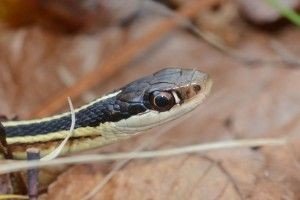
x=4, y=148
x=20, y=165
x=33, y=174
x=17, y=181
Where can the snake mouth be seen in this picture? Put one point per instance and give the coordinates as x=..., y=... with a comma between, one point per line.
x=208, y=86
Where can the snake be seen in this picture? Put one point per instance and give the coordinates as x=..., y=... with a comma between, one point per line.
x=138, y=106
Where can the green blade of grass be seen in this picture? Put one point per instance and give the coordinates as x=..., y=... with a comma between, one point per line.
x=286, y=12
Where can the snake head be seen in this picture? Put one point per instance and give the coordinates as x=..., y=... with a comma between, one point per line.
x=161, y=97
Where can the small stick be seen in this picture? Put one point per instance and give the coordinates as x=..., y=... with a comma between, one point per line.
x=33, y=174
x=3, y=144
x=17, y=181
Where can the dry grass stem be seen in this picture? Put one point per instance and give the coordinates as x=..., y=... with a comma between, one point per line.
x=55, y=153
x=246, y=143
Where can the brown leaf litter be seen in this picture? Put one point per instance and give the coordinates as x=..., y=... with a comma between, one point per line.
x=261, y=100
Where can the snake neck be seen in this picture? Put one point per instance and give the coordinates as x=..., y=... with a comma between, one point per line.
x=102, y=110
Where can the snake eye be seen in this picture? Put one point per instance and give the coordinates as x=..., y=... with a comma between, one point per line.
x=162, y=101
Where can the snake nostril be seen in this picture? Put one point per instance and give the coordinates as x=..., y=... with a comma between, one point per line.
x=197, y=88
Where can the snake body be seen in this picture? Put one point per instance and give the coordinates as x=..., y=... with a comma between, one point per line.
x=138, y=106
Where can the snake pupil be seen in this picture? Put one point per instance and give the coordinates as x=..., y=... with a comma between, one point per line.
x=162, y=101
